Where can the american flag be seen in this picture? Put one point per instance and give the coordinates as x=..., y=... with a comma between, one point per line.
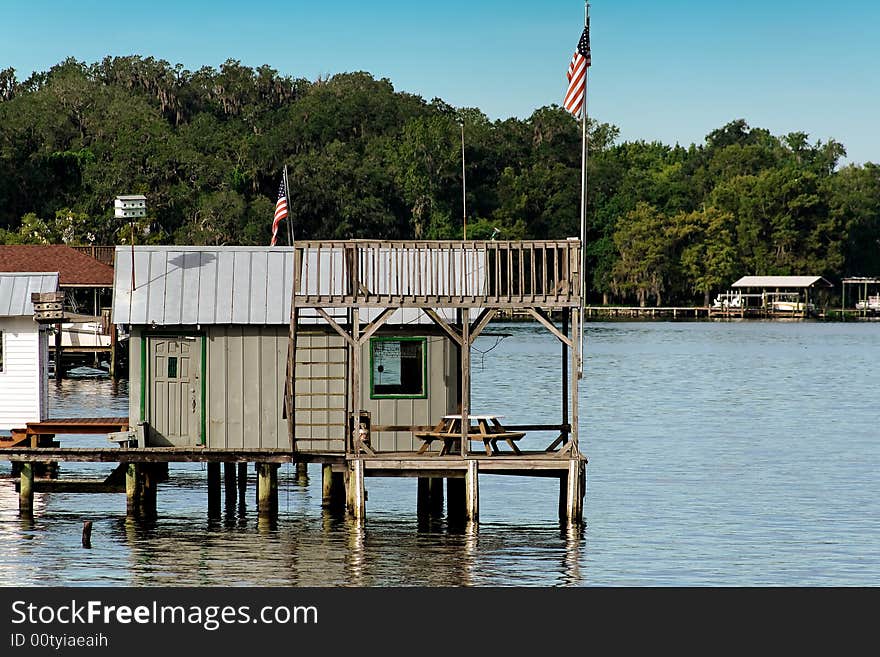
x=280, y=212
x=577, y=74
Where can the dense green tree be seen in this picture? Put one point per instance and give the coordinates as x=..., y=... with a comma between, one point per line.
x=207, y=146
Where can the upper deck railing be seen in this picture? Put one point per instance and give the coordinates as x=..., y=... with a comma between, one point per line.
x=413, y=273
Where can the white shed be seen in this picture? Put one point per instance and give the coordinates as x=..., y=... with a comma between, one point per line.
x=24, y=349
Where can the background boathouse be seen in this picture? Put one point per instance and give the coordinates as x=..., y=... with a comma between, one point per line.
x=24, y=349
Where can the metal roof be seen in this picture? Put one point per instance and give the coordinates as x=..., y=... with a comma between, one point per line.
x=782, y=281
x=16, y=289
x=202, y=285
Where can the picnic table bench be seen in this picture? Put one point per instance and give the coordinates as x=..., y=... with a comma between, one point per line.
x=487, y=428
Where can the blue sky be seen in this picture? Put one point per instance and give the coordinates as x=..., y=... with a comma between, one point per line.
x=671, y=71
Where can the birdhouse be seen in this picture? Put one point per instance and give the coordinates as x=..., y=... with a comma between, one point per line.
x=130, y=207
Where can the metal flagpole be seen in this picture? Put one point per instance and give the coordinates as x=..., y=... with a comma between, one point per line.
x=582, y=281
x=288, y=217
x=463, y=190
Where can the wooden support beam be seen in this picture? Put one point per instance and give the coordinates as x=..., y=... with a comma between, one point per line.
x=242, y=481
x=213, y=490
x=472, y=490
x=229, y=484
x=355, y=489
x=435, y=492
x=301, y=473
x=336, y=327
x=430, y=496
x=267, y=489
x=132, y=489
x=332, y=488
x=542, y=317
x=455, y=499
x=290, y=378
x=481, y=322
x=423, y=496
x=354, y=382
x=574, y=488
x=26, y=489
x=465, y=379
x=148, y=483
x=375, y=325
x=443, y=324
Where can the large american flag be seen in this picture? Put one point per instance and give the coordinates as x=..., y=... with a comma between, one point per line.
x=280, y=212
x=577, y=74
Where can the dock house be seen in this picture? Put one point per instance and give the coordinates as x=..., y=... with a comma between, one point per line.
x=771, y=296
x=23, y=350
x=82, y=338
x=865, y=298
x=352, y=354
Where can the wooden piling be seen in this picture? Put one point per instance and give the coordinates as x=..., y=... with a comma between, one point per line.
x=242, y=481
x=26, y=488
x=213, y=489
x=423, y=497
x=132, y=490
x=332, y=488
x=430, y=496
x=87, y=534
x=455, y=495
x=301, y=473
x=267, y=489
x=574, y=482
x=148, y=481
x=229, y=483
x=435, y=487
x=355, y=493
x=472, y=490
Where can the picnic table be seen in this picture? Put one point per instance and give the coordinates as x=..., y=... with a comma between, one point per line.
x=487, y=428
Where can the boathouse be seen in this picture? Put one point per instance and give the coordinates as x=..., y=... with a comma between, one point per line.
x=23, y=350
x=83, y=337
x=209, y=333
x=351, y=354
x=772, y=296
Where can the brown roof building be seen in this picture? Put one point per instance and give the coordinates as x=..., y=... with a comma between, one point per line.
x=75, y=269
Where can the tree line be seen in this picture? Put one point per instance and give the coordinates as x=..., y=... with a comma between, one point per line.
x=665, y=224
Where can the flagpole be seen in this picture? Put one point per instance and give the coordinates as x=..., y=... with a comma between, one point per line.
x=288, y=217
x=582, y=277
x=463, y=189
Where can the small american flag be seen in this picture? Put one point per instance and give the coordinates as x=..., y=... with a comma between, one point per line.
x=577, y=74
x=280, y=212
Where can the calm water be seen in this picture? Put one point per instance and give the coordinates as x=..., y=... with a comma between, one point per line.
x=740, y=453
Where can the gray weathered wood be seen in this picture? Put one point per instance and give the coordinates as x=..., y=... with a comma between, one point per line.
x=443, y=324
x=538, y=314
x=465, y=379
x=267, y=489
x=472, y=490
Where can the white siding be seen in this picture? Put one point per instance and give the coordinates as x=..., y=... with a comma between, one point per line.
x=22, y=390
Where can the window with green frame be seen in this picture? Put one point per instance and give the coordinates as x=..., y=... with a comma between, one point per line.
x=398, y=368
